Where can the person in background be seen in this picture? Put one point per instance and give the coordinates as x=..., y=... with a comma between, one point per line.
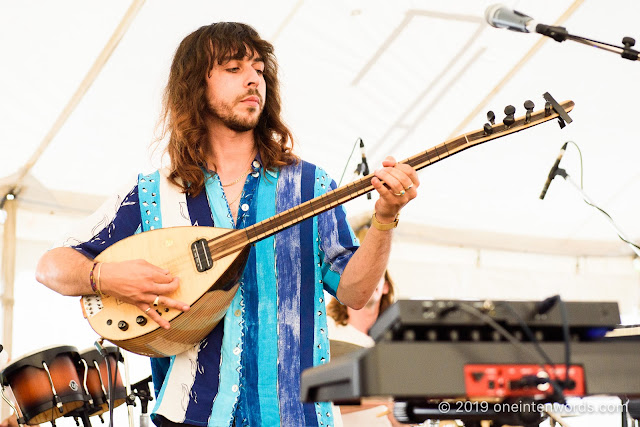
x=351, y=325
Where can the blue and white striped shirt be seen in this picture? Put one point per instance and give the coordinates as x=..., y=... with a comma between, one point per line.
x=248, y=368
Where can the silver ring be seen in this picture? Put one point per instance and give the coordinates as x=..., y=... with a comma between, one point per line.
x=155, y=301
x=147, y=310
x=399, y=194
x=409, y=187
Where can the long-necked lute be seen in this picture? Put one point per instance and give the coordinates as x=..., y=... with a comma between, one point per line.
x=210, y=260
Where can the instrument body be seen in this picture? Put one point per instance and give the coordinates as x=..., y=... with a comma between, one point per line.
x=209, y=293
x=209, y=289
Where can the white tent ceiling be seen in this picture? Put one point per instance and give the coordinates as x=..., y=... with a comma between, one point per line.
x=403, y=76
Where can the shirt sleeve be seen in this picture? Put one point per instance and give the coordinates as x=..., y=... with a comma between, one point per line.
x=119, y=217
x=337, y=242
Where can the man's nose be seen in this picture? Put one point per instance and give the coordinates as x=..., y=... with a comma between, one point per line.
x=253, y=78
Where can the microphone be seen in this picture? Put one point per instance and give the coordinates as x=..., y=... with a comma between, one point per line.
x=553, y=171
x=499, y=16
x=364, y=166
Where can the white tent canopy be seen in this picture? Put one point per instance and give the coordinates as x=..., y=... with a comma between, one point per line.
x=402, y=75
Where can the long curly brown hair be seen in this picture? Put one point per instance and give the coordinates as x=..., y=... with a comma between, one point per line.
x=185, y=105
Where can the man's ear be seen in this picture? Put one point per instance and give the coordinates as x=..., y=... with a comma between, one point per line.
x=385, y=288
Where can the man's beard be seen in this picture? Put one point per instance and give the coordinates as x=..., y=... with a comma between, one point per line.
x=231, y=120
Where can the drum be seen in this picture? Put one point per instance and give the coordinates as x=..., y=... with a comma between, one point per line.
x=98, y=377
x=45, y=384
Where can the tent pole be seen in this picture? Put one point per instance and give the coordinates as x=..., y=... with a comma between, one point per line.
x=8, y=277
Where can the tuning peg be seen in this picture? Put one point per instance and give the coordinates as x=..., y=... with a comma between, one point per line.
x=488, y=129
x=628, y=42
x=491, y=117
x=529, y=106
x=547, y=109
x=509, y=110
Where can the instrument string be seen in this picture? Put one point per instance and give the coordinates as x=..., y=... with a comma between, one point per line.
x=235, y=241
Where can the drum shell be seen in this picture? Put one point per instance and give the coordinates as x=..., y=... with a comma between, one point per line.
x=31, y=388
x=94, y=377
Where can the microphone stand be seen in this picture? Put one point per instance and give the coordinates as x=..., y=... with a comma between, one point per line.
x=563, y=173
x=561, y=34
x=143, y=392
x=130, y=401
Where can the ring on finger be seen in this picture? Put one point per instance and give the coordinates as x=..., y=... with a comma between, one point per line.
x=155, y=301
x=409, y=187
x=147, y=310
x=399, y=194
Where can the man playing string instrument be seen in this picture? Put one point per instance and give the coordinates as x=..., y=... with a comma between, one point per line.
x=232, y=166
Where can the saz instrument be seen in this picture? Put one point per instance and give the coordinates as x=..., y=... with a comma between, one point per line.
x=210, y=260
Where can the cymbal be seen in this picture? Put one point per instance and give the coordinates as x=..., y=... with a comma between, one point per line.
x=340, y=348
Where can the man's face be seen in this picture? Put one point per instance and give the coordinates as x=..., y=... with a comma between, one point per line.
x=236, y=91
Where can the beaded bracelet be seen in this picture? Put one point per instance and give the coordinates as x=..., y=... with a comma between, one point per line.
x=92, y=281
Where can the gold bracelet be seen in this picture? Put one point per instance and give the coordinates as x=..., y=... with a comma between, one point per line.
x=384, y=227
x=98, y=285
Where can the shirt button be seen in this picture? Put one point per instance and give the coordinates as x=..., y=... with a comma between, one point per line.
x=244, y=207
x=256, y=164
x=238, y=313
x=236, y=351
x=234, y=388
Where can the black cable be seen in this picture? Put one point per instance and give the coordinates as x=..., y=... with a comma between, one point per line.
x=548, y=304
x=567, y=339
x=104, y=354
x=592, y=205
x=513, y=340
x=112, y=386
x=527, y=330
x=349, y=159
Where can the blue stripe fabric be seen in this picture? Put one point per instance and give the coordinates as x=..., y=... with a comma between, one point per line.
x=230, y=366
x=266, y=405
x=321, y=350
x=289, y=281
x=151, y=218
x=248, y=411
x=247, y=370
x=125, y=223
x=199, y=210
x=149, y=195
x=205, y=383
x=337, y=240
x=308, y=286
x=159, y=367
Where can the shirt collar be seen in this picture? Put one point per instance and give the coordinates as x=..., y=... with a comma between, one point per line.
x=257, y=164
